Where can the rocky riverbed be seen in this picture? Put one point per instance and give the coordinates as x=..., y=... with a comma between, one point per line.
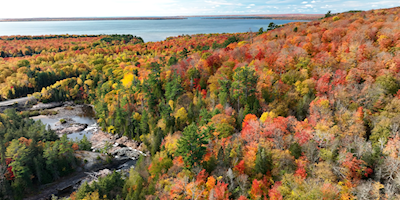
x=78, y=120
x=73, y=120
x=109, y=152
x=119, y=147
x=43, y=106
x=68, y=126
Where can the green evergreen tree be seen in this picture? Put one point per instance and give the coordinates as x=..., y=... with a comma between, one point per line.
x=263, y=162
x=83, y=191
x=244, y=84
x=328, y=14
x=295, y=150
x=223, y=95
x=156, y=141
x=173, y=87
x=85, y=144
x=153, y=89
x=205, y=117
x=191, y=146
x=260, y=31
x=144, y=126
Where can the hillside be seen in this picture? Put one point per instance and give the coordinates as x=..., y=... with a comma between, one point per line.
x=309, y=110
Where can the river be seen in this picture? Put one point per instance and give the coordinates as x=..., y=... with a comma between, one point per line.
x=83, y=114
x=80, y=114
x=149, y=30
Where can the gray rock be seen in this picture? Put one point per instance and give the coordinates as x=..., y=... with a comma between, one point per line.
x=127, y=152
x=42, y=106
x=73, y=128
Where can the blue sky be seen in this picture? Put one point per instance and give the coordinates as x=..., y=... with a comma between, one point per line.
x=105, y=8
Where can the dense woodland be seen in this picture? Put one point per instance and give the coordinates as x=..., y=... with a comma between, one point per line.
x=32, y=155
x=308, y=110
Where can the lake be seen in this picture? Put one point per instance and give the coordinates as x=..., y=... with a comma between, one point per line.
x=149, y=30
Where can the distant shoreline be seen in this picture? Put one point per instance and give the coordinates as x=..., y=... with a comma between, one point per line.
x=90, y=19
x=273, y=17
x=265, y=16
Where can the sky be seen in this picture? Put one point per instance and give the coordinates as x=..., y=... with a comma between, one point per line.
x=119, y=8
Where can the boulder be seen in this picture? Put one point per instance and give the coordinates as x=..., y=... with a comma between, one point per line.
x=73, y=128
x=43, y=106
x=127, y=152
x=104, y=172
x=127, y=142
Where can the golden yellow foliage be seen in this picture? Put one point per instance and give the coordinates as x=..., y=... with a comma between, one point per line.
x=181, y=114
x=94, y=196
x=161, y=124
x=89, y=83
x=322, y=127
x=281, y=158
x=171, y=104
x=137, y=116
x=241, y=43
x=252, y=63
x=267, y=115
x=79, y=81
x=171, y=142
x=324, y=103
x=213, y=83
x=168, y=74
x=111, y=129
x=324, y=170
x=127, y=80
x=304, y=87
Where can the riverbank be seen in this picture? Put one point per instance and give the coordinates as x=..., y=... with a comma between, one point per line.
x=101, y=139
x=19, y=104
x=72, y=119
x=66, y=185
x=109, y=152
x=77, y=120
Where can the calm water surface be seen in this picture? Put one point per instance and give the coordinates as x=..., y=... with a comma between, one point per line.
x=85, y=115
x=149, y=30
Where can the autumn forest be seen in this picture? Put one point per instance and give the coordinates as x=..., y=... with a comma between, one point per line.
x=306, y=110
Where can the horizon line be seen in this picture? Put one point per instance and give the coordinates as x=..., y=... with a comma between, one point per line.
x=164, y=16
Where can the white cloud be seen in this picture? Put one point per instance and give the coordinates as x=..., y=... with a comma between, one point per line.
x=304, y=2
x=280, y=2
x=250, y=6
x=224, y=3
x=326, y=6
x=389, y=3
